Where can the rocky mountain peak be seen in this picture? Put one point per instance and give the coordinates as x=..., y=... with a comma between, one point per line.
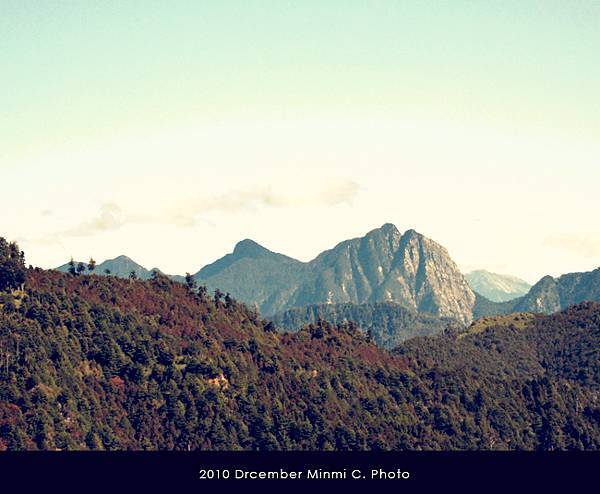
x=388, y=229
x=424, y=277
x=382, y=266
x=250, y=248
x=552, y=294
x=412, y=235
x=387, y=232
x=122, y=258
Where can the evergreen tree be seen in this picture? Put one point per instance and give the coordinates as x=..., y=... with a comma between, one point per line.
x=72, y=267
x=190, y=282
x=12, y=266
x=91, y=265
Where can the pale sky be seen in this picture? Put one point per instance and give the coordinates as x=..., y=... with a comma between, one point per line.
x=168, y=131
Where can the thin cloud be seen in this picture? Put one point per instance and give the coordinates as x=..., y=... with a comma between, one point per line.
x=331, y=194
x=111, y=217
x=584, y=246
x=186, y=213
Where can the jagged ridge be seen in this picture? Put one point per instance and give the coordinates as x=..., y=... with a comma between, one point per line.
x=382, y=266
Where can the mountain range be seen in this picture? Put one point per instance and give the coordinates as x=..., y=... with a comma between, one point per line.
x=382, y=266
x=497, y=287
x=407, y=270
x=548, y=295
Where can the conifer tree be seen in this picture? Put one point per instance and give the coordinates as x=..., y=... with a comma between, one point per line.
x=91, y=265
x=12, y=266
x=72, y=267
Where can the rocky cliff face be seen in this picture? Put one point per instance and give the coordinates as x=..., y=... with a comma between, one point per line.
x=424, y=275
x=351, y=271
x=553, y=294
x=382, y=266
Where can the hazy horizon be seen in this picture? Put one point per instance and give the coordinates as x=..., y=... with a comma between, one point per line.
x=306, y=260
x=170, y=132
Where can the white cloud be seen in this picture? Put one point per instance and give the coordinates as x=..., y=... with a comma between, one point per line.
x=110, y=218
x=586, y=246
x=186, y=213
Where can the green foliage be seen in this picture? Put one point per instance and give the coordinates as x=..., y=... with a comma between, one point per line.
x=72, y=268
x=12, y=266
x=388, y=323
x=107, y=363
x=190, y=282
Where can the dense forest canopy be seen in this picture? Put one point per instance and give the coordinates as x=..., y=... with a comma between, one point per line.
x=12, y=265
x=388, y=323
x=99, y=362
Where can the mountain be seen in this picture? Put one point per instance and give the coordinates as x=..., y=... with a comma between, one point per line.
x=485, y=307
x=553, y=294
x=548, y=295
x=382, y=266
x=497, y=287
x=388, y=323
x=103, y=363
x=254, y=275
x=121, y=267
x=407, y=269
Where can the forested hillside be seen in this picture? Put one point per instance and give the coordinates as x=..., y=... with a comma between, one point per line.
x=98, y=362
x=388, y=323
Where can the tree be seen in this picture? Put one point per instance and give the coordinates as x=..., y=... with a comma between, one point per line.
x=72, y=267
x=80, y=268
x=12, y=266
x=190, y=282
x=91, y=265
x=133, y=276
x=203, y=292
x=107, y=271
x=270, y=327
x=7, y=303
x=159, y=280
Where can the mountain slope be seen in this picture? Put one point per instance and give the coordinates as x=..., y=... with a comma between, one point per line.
x=497, y=287
x=352, y=270
x=254, y=275
x=388, y=323
x=552, y=294
x=548, y=295
x=92, y=362
x=120, y=266
x=382, y=266
x=485, y=307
